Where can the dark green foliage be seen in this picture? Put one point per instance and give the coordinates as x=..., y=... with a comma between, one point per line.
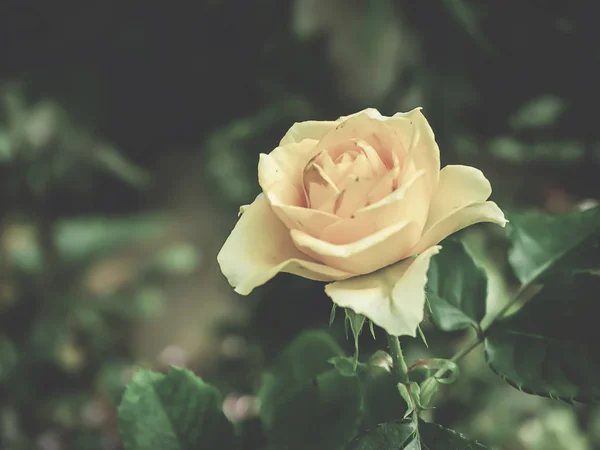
x=456, y=288
x=177, y=411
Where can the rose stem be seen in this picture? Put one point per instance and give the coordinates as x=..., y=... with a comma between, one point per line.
x=399, y=365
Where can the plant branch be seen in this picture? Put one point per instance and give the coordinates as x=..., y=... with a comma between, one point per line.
x=399, y=367
x=523, y=295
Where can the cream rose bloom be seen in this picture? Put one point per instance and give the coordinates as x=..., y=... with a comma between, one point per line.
x=360, y=201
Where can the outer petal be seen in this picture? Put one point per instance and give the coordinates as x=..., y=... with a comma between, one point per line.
x=457, y=220
x=310, y=129
x=316, y=129
x=280, y=172
x=366, y=255
x=422, y=146
x=260, y=246
x=371, y=112
x=393, y=297
x=459, y=201
x=458, y=186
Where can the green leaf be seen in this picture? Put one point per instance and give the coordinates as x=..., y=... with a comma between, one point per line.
x=543, y=244
x=407, y=396
x=347, y=367
x=177, y=411
x=436, y=437
x=424, y=371
x=550, y=346
x=79, y=240
x=381, y=400
x=386, y=436
x=543, y=111
x=431, y=366
x=422, y=336
x=428, y=389
x=401, y=435
x=357, y=322
x=372, y=329
x=456, y=288
x=181, y=258
x=332, y=314
x=305, y=403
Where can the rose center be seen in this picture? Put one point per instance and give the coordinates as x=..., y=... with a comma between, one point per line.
x=338, y=180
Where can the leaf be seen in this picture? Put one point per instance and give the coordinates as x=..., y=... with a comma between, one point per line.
x=543, y=111
x=347, y=367
x=181, y=258
x=428, y=389
x=332, y=314
x=177, y=411
x=357, y=322
x=407, y=396
x=435, y=364
x=305, y=403
x=436, y=437
x=386, y=436
x=401, y=435
x=80, y=240
x=422, y=336
x=372, y=329
x=456, y=288
x=424, y=371
x=550, y=346
x=381, y=400
x=543, y=244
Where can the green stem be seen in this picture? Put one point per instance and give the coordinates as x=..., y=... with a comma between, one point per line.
x=399, y=367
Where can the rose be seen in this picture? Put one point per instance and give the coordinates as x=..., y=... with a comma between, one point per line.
x=360, y=201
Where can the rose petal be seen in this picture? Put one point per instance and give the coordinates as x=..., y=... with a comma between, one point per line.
x=277, y=183
x=361, y=167
x=370, y=112
x=458, y=201
x=311, y=221
x=384, y=186
x=457, y=220
x=393, y=297
x=316, y=129
x=409, y=202
x=377, y=165
x=363, y=126
x=354, y=156
x=310, y=129
x=259, y=247
x=458, y=187
x=405, y=204
x=281, y=171
x=366, y=255
x=422, y=146
x=318, y=186
x=347, y=164
x=354, y=196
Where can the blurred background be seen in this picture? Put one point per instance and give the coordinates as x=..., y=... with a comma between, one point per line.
x=129, y=137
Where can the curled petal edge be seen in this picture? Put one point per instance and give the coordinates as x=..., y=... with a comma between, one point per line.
x=393, y=297
x=260, y=246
